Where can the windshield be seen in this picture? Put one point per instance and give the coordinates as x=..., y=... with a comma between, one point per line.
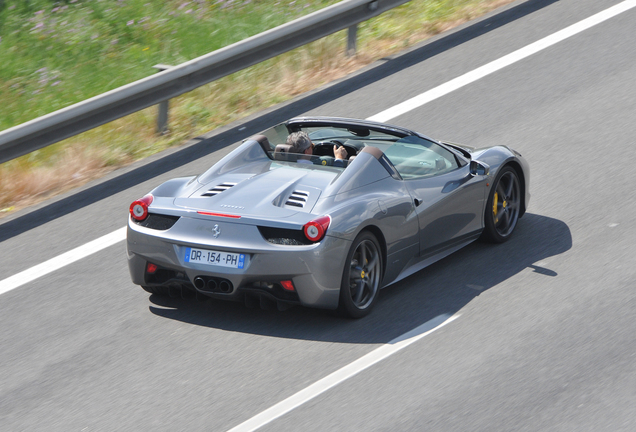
x=411, y=155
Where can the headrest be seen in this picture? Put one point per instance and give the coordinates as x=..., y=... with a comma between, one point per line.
x=263, y=141
x=374, y=151
x=283, y=148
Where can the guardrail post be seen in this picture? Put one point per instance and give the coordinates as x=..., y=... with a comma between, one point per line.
x=162, y=112
x=352, y=37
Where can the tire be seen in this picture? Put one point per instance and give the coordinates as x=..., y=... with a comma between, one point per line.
x=361, y=277
x=503, y=207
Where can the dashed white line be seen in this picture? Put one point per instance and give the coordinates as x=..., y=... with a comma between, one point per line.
x=501, y=63
x=58, y=262
x=343, y=374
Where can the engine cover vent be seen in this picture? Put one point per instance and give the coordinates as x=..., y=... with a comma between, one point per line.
x=218, y=189
x=297, y=199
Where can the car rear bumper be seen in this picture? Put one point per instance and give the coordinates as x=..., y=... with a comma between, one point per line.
x=315, y=270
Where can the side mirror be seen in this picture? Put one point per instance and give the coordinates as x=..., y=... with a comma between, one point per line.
x=479, y=168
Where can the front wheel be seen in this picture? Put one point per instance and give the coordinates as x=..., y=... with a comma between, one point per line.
x=502, y=207
x=361, y=277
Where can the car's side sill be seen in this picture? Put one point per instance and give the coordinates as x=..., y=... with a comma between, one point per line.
x=430, y=256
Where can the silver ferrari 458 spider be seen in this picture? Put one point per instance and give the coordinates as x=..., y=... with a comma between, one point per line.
x=273, y=226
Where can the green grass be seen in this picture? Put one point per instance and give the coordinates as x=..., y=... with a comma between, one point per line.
x=56, y=53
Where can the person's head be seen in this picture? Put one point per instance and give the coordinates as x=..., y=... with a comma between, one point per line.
x=300, y=142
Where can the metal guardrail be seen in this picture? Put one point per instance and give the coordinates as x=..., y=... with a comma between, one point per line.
x=101, y=109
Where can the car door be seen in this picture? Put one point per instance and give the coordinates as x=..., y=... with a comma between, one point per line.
x=448, y=199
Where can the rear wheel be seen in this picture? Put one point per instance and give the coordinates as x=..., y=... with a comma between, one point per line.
x=361, y=276
x=502, y=208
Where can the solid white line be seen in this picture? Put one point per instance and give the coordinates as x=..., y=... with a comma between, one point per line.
x=402, y=108
x=343, y=374
x=501, y=63
x=62, y=260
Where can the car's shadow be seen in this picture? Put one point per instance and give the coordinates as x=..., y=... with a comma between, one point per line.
x=441, y=289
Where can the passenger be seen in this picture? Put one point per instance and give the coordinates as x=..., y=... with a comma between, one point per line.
x=301, y=143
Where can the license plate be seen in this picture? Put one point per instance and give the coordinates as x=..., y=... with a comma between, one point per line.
x=215, y=258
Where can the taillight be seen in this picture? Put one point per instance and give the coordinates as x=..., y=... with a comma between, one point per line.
x=316, y=229
x=139, y=208
x=287, y=285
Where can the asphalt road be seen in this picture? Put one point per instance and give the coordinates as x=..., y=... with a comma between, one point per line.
x=545, y=338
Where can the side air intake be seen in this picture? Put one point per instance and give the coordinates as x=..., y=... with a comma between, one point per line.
x=218, y=189
x=297, y=199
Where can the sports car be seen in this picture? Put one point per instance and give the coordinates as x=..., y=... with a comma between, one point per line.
x=276, y=228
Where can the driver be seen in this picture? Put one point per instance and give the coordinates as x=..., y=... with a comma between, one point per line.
x=301, y=143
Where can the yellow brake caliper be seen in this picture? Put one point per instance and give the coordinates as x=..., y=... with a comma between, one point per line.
x=494, y=206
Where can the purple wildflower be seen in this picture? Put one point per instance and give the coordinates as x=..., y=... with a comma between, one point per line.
x=39, y=12
x=56, y=83
x=131, y=22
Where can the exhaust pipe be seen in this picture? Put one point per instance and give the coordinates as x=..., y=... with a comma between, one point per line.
x=225, y=287
x=211, y=285
x=199, y=283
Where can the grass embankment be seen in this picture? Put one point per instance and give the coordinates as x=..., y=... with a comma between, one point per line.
x=56, y=53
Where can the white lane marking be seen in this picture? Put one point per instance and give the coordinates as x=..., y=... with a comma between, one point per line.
x=507, y=60
x=343, y=374
x=402, y=108
x=60, y=261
